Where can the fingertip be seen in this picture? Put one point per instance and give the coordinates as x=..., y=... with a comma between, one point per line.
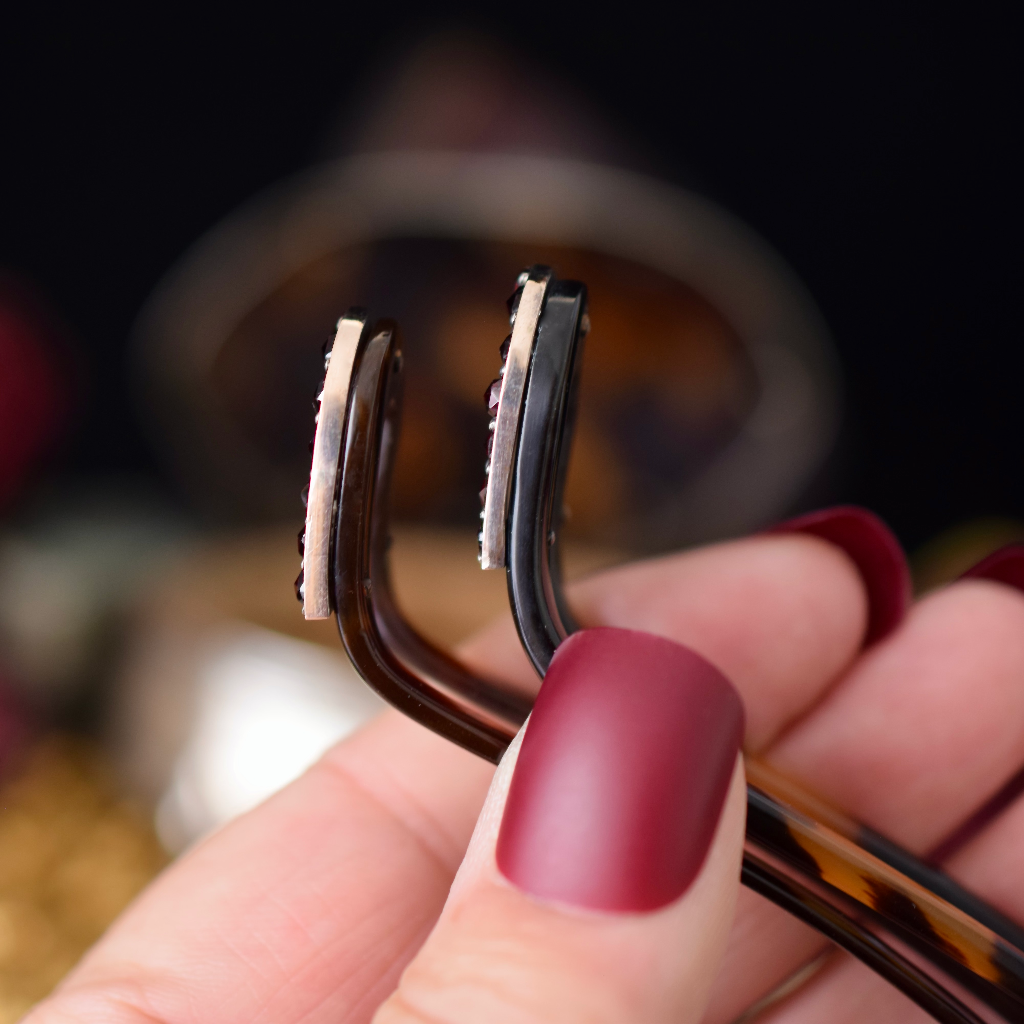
x=622, y=774
x=505, y=951
x=782, y=616
x=874, y=550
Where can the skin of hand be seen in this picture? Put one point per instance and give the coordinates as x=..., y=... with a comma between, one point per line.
x=334, y=900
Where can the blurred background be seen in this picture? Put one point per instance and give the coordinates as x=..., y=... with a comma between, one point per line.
x=800, y=233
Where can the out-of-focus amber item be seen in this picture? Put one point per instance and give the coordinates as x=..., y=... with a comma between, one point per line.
x=711, y=395
x=73, y=854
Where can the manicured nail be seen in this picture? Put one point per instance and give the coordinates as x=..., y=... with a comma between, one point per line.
x=1004, y=566
x=874, y=550
x=622, y=774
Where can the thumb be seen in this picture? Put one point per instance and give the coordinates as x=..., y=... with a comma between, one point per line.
x=601, y=879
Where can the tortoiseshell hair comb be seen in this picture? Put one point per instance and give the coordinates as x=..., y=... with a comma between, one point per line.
x=856, y=874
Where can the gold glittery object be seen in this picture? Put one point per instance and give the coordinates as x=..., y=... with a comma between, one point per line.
x=73, y=854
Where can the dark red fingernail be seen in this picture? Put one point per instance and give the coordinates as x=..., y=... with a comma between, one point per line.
x=874, y=550
x=1004, y=566
x=622, y=774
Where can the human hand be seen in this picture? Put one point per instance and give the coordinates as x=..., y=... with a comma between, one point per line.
x=312, y=906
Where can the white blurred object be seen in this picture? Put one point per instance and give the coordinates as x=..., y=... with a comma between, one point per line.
x=267, y=707
x=70, y=573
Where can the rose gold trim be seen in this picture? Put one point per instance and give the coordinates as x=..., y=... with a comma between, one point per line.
x=330, y=428
x=513, y=382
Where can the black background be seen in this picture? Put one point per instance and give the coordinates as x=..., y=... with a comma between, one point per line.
x=876, y=150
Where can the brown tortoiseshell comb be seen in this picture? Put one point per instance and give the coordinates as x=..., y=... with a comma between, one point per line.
x=802, y=855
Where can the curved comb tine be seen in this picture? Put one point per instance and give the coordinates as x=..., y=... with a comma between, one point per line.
x=848, y=934
x=534, y=565
x=975, y=955
x=405, y=669
x=346, y=541
x=533, y=426
x=954, y=929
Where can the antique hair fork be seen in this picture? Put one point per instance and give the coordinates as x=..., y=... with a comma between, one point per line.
x=808, y=858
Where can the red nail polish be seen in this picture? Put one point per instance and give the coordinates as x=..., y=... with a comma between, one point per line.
x=622, y=773
x=1004, y=566
x=876, y=553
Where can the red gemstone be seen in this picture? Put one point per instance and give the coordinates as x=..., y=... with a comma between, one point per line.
x=299, y=584
x=492, y=395
x=483, y=495
x=504, y=348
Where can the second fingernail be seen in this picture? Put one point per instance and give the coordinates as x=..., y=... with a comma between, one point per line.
x=622, y=774
x=875, y=551
x=1004, y=566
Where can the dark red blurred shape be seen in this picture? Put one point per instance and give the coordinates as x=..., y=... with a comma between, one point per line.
x=1004, y=566
x=34, y=386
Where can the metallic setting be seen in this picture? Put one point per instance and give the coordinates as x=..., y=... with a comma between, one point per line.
x=314, y=586
x=506, y=423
